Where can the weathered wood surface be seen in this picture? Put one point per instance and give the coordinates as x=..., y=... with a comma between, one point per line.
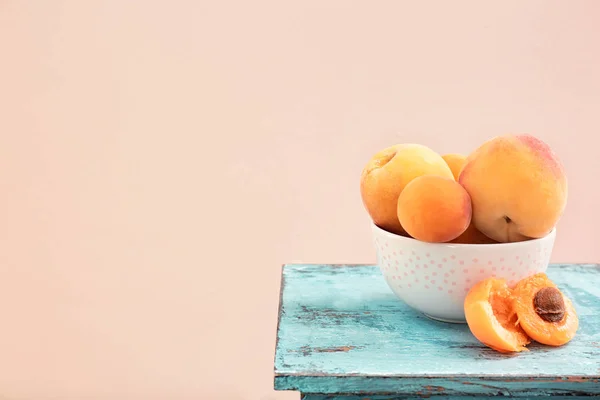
x=342, y=331
x=437, y=397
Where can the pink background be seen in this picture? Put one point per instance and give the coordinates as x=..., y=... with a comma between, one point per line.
x=160, y=160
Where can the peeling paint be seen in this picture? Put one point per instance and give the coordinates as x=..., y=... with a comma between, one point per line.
x=333, y=349
x=435, y=388
x=307, y=350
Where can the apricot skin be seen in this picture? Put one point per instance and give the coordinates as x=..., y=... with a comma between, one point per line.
x=387, y=173
x=456, y=162
x=518, y=187
x=434, y=209
x=473, y=236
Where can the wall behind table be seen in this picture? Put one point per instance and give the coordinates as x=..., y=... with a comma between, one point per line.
x=159, y=161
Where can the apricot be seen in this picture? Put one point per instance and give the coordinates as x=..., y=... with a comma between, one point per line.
x=518, y=187
x=491, y=317
x=544, y=312
x=456, y=162
x=473, y=236
x=434, y=208
x=387, y=173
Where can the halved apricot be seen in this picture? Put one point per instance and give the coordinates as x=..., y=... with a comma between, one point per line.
x=544, y=312
x=491, y=318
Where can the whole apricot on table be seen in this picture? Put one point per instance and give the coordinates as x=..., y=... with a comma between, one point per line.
x=491, y=317
x=434, y=209
x=456, y=162
x=387, y=173
x=544, y=312
x=518, y=187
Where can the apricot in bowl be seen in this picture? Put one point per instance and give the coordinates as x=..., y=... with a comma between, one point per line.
x=434, y=278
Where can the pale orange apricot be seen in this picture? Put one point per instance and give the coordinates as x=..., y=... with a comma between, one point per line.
x=434, y=208
x=491, y=318
x=518, y=187
x=456, y=162
x=387, y=173
x=473, y=236
x=544, y=312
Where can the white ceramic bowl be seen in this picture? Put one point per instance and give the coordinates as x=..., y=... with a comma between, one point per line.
x=434, y=278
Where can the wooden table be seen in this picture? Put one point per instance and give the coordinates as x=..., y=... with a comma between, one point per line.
x=343, y=335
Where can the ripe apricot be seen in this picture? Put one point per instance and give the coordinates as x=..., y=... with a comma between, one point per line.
x=456, y=162
x=544, y=312
x=518, y=187
x=491, y=317
x=434, y=209
x=473, y=236
x=386, y=174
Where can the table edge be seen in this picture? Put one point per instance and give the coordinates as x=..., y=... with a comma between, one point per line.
x=451, y=385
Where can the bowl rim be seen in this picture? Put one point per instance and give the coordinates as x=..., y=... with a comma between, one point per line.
x=409, y=239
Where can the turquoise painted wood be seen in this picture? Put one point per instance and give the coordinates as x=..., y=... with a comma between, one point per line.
x=342, y=334
x=433, y=397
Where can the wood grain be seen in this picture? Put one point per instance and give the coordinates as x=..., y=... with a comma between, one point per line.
x=342, y=331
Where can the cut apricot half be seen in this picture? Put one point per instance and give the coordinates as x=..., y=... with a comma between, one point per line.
x=491, y=318
x=544, y=312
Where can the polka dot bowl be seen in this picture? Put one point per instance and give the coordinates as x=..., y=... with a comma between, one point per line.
x=434, y=278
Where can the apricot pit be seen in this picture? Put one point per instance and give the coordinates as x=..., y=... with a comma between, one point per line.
x=549, y=304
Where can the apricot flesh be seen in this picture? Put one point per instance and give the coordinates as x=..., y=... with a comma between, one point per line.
x=386, y=175
x=456, y=162
x=518, y=187
x=434, y=209
x=553, y=330
x=491, y=317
